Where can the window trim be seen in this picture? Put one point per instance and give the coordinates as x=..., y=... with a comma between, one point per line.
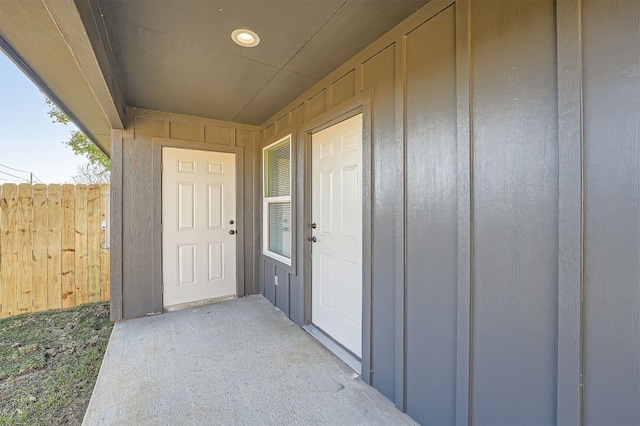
x=266, y=201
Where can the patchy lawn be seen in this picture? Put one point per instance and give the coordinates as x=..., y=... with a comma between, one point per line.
x=49, y=362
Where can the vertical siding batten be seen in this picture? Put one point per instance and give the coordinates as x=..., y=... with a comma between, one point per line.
x=570, y=211
x=464, y=194
x=157, y=283
x=401, y=214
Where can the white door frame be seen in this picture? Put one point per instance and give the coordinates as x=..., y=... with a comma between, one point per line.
x=359, y=105
x=156, y=153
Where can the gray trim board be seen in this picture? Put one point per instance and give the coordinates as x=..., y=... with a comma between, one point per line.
x=401, y=214
x=465, y=214
x=156, y=228
x=570, y=211
x=116, y=226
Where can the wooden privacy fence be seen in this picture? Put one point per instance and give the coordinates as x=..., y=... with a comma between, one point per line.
x=51, y=241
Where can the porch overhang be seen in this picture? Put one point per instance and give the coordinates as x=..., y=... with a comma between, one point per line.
x=52, y=45
x=95, y=58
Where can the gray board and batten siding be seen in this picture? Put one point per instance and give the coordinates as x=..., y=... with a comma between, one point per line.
x=502, y=255
x=505, y=223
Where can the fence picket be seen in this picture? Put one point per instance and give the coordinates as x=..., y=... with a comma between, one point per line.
x=105, y=259
x=81, y=265
x=9, y=247
x=39, y=249
x=93, y=242
x=23, y=232
x=68, y=247
x=54, y=247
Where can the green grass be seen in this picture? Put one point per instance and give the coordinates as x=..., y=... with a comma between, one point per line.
x=49, y=362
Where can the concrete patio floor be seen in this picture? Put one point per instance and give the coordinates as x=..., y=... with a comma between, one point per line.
x=237, y=362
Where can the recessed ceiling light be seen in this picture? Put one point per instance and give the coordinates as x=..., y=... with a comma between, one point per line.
x=245, y=38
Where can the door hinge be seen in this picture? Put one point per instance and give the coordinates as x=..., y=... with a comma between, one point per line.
x=162, y=227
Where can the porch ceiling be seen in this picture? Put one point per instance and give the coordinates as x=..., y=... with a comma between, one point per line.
x=96, y=57
x=178, y=56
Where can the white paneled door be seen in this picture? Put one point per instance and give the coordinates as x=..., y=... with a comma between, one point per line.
x=198, y=215
x=336, y=166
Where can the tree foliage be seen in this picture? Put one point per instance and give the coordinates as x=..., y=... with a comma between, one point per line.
x=91, y=173
x=79, y=143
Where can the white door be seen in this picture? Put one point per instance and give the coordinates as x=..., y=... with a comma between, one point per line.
x=198, y=213
x=336, y=167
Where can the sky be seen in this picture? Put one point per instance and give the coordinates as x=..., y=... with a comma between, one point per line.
x=29, y=141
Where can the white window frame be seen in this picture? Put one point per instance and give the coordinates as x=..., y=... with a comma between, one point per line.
x=266, y=201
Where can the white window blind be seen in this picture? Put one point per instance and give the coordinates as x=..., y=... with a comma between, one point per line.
x=280, y=229
x=277, y=200
x=278, y=170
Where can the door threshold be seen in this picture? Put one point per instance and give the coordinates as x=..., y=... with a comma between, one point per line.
x=197, y=303
x=338, y=350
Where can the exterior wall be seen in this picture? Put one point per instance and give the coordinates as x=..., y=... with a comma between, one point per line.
x=505, y=231
x=136, y=240
x=611, y=202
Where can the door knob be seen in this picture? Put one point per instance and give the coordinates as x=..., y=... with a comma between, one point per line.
x=313, y=239
x=233, y=232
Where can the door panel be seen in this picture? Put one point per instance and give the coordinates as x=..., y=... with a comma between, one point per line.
x=337, y=253
x=198, y=203
x=215, y=203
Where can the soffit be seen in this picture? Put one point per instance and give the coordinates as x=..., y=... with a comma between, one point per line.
x=48, y=41
x=178, y=56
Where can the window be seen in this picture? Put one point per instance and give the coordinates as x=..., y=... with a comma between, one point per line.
x=277, y=200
